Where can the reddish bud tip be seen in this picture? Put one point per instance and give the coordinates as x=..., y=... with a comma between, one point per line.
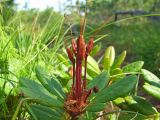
x=89, y=46
x=74, y=46
x=70, y=55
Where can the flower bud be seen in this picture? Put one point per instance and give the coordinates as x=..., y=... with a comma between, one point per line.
x=74, y=47
x=70, y=55
x=89, y=46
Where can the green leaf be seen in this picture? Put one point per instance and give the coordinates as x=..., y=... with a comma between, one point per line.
x=52, y=85
x=130, y=116
x=116, y=71
x=92, y=67
x=117, y=89
x=4, y=66
x=62, y=59
x=133, y=67
x=37, y=92
x=152, y=90
x=112, y=116
x=120, y=102
x=150, y=77
x=56, y=85
x=117, y=74
x=109, y=57
x=106, y=64
x=119, y=60
x=88, y=116
x=95, y=50
x=25, y=82
x=30, y=110
x=96, y=107
x=46, y=113
x=100, y=81
x=139, y=104
x=62, y=74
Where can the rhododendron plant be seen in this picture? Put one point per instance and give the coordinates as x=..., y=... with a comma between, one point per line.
x=77, y=97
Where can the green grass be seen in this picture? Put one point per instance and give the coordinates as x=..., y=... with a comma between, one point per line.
x=26, y=42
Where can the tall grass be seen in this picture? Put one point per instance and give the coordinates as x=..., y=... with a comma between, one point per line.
x=25, y=43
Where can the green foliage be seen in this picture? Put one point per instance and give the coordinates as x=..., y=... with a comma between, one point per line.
x=137, y=104
x=3, y=66
x=141, y=40
x=152, y=90
x=119, y=60
x=147, y=47
x=49, y=93
x=49, y=88
x=38, y=92
x=112, y=92
x=133, y=67
x=53, y=85
x=43, y=112
x=6, y=11
x=150, y=77
x=96, y=49
x=152, y=83
x=22, y=47
x=140, y=105
x=44, y=93
x=99, y=81
x=27, y=41
x=92, y=67
x=109, y=57
x=116, y=90
x=96, y=107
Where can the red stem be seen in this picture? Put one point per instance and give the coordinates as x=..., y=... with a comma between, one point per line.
x=80, y=79
x=77, y=81
x=85, y=70
x=73, y=75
